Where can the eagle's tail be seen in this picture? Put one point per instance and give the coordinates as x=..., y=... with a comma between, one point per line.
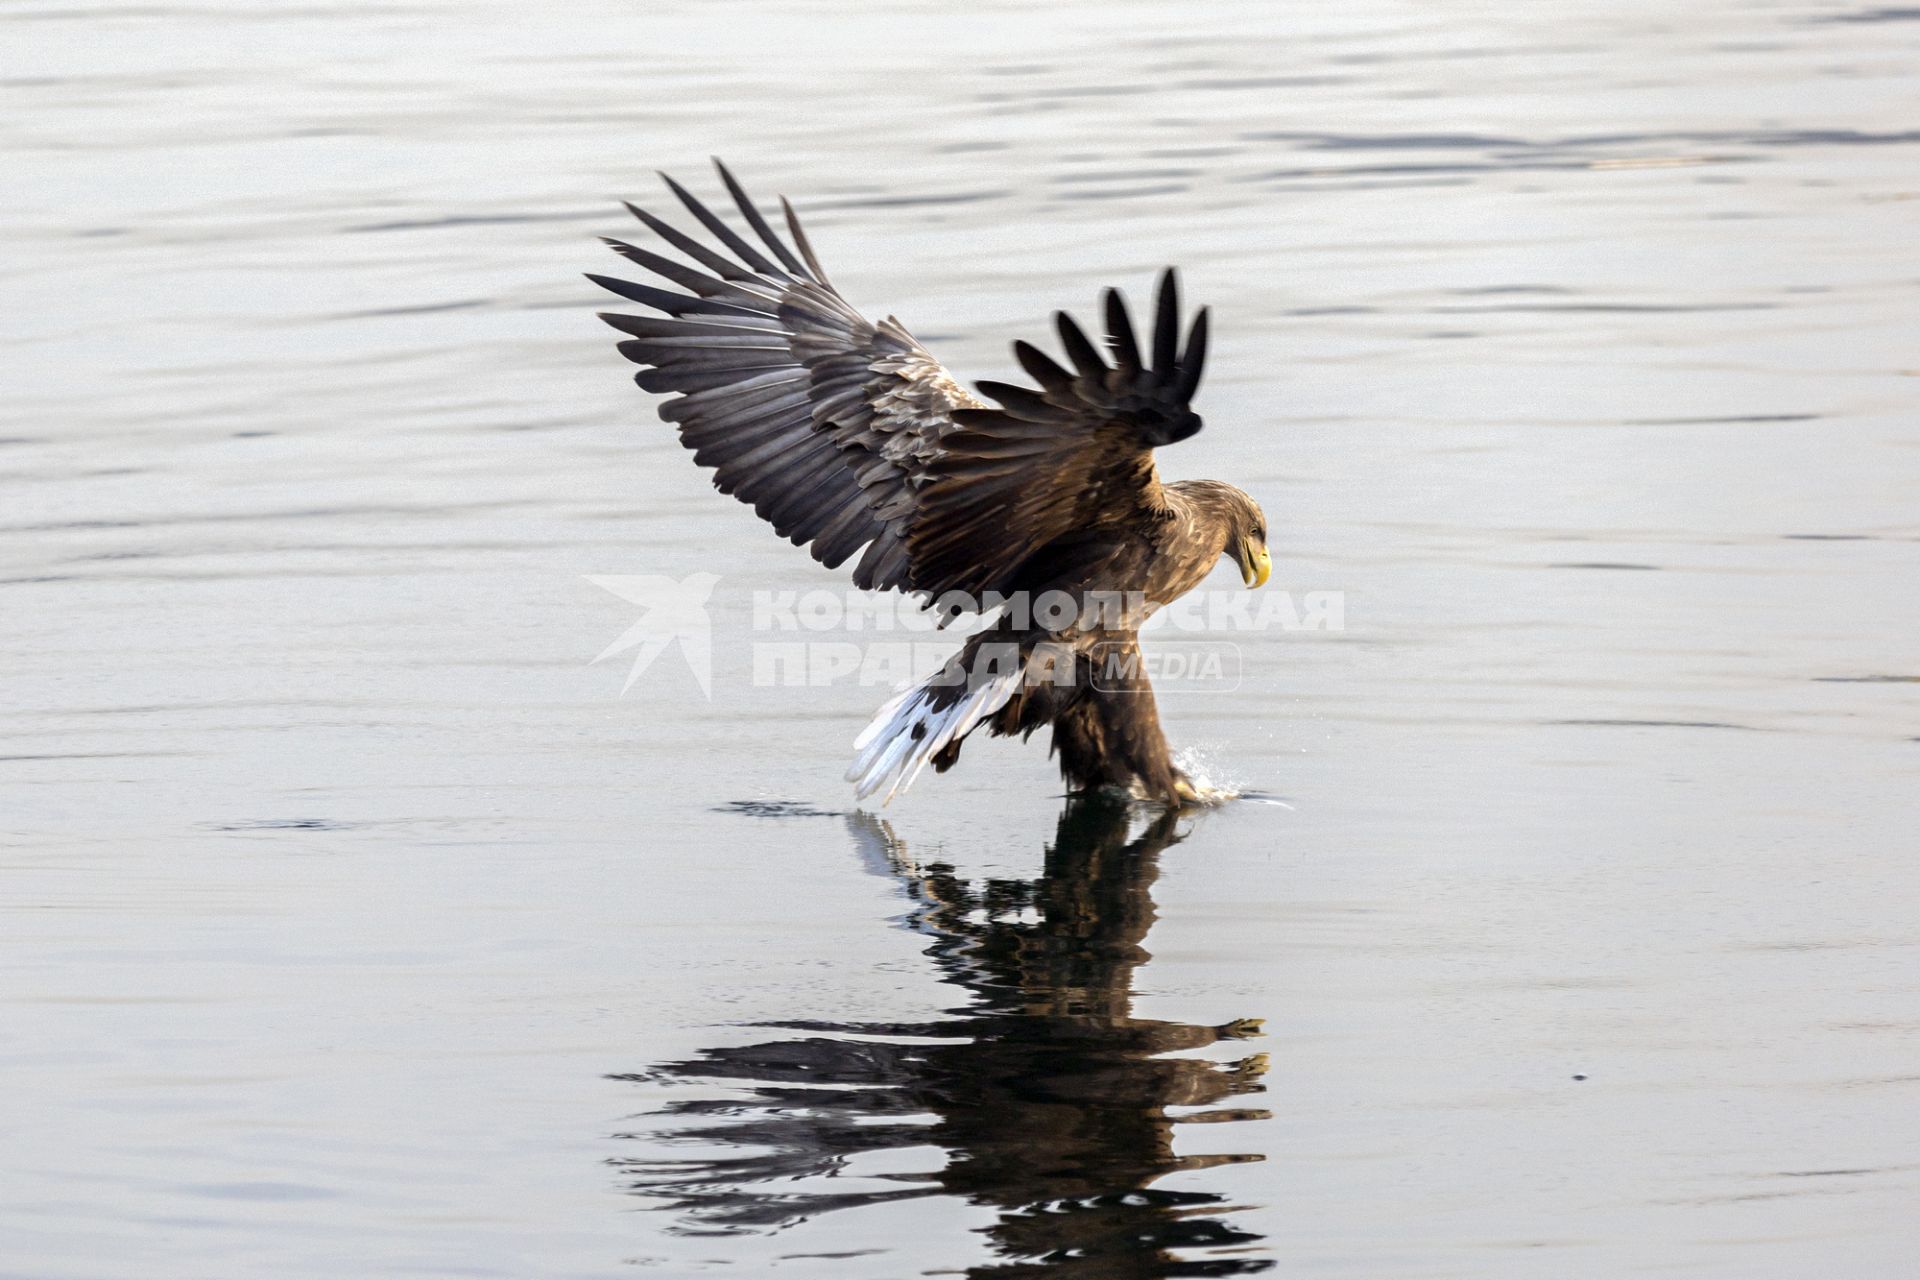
x=916, y=726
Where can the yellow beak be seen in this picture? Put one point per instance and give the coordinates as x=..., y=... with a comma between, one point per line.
x=1257, y=569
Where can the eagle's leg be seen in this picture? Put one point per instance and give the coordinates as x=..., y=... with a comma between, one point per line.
x=1109, y=734
x=1106, y=727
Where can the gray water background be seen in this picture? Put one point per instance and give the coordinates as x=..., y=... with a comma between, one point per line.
x=1574, y=344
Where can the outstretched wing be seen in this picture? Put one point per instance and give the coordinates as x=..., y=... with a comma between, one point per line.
x=1069, y=461
x=843, y=433
x=819, y=419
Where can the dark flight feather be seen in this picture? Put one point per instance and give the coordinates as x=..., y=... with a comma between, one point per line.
x=758, y=223
x=803, y=244
x=1126, y=349
x=686, y=244
x=1166, y=324
x=728, y=236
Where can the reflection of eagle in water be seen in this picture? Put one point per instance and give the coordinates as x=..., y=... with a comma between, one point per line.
x=1056, y=1105
x=845, y=434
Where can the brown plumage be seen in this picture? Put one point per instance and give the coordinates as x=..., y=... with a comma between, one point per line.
x=849, y=437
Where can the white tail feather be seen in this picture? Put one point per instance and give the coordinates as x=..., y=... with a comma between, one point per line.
x=883, y=716
x=889, y=747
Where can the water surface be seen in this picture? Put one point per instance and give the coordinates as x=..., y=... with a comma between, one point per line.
x=356, y=925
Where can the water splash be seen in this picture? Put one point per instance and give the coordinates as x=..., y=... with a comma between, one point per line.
x=1216, y=782
x=1209, y=774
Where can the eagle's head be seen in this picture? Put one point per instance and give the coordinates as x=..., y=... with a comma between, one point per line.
x=1236, y=520
x=1247, y=538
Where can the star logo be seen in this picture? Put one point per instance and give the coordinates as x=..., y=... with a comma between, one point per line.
x=670, y=611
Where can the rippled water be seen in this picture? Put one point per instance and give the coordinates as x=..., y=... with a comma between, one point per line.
x=356, y=926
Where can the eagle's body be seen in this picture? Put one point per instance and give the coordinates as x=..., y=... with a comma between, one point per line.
x=849, y=437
